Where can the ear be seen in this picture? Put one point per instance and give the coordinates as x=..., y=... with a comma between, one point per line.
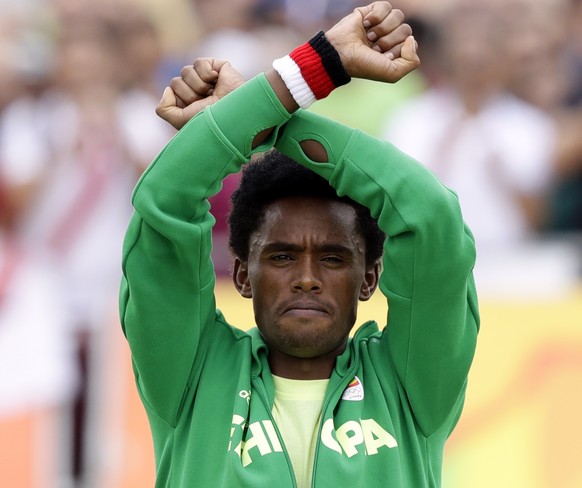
x=370, y=282
x=240, y=278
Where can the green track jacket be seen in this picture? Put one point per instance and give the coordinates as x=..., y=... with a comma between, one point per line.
x=395, y=394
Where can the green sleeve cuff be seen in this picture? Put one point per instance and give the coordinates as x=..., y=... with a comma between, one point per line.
x=243, y=113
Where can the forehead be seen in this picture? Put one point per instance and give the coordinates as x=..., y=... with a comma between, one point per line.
x=317, y=219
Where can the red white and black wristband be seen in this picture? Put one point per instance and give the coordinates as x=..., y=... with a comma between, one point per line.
x=312, y=71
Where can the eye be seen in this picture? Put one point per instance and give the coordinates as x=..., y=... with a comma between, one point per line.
x=333, y=260
x=281, y=257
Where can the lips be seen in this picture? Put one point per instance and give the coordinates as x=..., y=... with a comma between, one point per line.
x=305, y=308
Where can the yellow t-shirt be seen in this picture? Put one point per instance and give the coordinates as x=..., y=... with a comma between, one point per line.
x=297, y=413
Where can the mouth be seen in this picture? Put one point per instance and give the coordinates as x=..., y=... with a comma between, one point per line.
x=305, y=309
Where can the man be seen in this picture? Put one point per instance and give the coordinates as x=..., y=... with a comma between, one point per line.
x=295, y=402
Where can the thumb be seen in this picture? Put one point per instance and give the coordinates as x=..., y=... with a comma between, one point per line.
x=168, y=110
x=168, y=99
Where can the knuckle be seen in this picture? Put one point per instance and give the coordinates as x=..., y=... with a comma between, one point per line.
x=385, y=6
x=402, y=31
x=185, y=70
x=399, y=14
x=188, y=98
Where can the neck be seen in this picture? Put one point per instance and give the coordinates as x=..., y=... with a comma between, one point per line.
x=298, y=368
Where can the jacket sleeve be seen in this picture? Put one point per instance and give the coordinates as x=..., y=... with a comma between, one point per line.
x=167, y=304
x=427, y=266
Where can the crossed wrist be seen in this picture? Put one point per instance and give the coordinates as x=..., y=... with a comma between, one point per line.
x=312, y=71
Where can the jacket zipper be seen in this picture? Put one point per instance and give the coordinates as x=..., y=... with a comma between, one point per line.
x=326, y=403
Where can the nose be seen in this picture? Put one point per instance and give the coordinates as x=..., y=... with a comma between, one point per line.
x=307, y=278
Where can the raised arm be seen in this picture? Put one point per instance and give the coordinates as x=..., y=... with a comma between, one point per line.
x=428, y=259
x=167, y=302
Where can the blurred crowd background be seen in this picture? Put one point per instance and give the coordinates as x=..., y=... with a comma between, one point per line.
x=495, y=111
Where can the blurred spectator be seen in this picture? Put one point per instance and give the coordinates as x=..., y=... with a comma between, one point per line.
x=252, y=34
x=37, y=360
x=492, y=148
x=25, y=59
x=547, y=72
x=79, y=215
x=141, y=55
x=37, y=351
x=10, y=86
x=84, y=142
x=37, y=354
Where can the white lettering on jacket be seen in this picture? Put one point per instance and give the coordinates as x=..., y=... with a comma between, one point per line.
x=262, y=441
x=262, y=438
x=352, y=434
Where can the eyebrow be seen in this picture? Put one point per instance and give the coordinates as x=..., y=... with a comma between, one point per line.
x=288, y=246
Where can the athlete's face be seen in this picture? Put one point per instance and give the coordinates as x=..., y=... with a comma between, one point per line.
x=305, y=273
